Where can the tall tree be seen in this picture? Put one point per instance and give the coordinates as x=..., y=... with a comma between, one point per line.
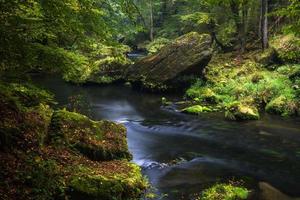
x=264, y=24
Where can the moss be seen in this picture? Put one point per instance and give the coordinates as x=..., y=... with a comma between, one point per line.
x=197, y=109
x=239, y=111
x=268, y=58
x=225, y=192
x=157, y=44
x=287, y=47
x=282, y=105
x=99, y=140
x=202, y=94
x=126, y=182
x=246, y=82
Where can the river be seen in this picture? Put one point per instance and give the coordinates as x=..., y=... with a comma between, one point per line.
x=182, y=154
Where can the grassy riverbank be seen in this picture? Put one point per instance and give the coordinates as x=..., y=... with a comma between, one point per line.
x=243, y=86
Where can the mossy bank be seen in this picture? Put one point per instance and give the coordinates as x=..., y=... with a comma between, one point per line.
x=57, y=154
x=245, y=86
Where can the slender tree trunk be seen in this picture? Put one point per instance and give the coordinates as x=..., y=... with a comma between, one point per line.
x=259, y=22
x=151, y=21
x=239, y=24
x=244, y=27
x=264, y=24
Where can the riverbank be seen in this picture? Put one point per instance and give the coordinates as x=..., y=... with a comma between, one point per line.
x=57, y=154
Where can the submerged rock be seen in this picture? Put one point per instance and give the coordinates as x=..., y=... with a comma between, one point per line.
x=98, y=140
x=197, y=109
x=268, y=192
x=174, y=64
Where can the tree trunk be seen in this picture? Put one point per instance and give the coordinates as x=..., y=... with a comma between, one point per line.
x=264, y=24
x=151, y=21
x=239, y=24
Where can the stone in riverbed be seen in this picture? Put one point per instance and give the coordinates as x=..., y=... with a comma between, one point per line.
x=239, y=111
x=174, y=64
x=117, y=180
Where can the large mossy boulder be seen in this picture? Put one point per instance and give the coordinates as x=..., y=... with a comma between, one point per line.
x=283, y=106
x=98, y=140
x=287, y=48
x=172, y=66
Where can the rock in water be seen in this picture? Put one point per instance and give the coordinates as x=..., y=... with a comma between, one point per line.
x=173, y=66
x=268, y=192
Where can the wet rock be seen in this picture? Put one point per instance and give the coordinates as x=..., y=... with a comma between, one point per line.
x=197, y=109
x=268, y=192
x=238, y=111
x=98, y=140
x=283, y=106
x=174, y=64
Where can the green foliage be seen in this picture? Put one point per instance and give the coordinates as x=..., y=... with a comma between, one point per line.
x=26, y=94
x=65, y=36
x=225, y=192
x=292, y=11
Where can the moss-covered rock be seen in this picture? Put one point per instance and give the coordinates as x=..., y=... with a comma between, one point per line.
x=117, y=180
x=197, y=109
x=99, y=140
x=240, y=111
x=225, y=192
x=157, y=45
x=204, y=94
x=268, y=58
x=287, y=47
x=283, y=106
x=186, y=56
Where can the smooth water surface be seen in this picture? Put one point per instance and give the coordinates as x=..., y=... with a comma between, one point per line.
x=182, y=154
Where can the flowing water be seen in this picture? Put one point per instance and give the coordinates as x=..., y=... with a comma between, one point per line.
x=182, y=154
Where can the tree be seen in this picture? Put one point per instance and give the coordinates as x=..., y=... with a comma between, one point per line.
x=264, y=24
